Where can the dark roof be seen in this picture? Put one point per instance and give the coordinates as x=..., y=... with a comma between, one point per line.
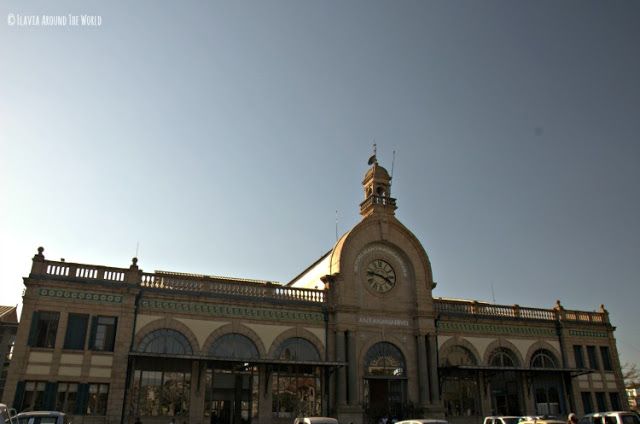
x=8, y=314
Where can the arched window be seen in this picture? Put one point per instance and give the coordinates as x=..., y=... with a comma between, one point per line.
x=503, y=357
x=297, y=349
x=542, y=358
x=296, y=387
x=234, y=346
x=458, y=356
x=384, y=359
x=165, y=340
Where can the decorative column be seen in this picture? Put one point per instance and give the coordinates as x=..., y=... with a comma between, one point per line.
x=353, y=368
x=432, y=344
x=423, y=371
x=198, y=387
x=341, y=386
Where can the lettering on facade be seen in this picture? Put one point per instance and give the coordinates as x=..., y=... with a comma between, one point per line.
x=384, y=249
x=384, y=321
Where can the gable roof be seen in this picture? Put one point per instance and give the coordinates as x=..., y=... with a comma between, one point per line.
x=8, y=314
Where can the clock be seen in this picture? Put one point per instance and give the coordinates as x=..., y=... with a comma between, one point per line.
x=380, y=276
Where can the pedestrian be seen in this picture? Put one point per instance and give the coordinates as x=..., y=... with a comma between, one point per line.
x=214, y=417
x=572, y=419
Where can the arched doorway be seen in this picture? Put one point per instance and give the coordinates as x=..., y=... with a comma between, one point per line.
x=385, y=382
x=505, y=383
x=232, y=381
x=546, y=384
x=460, y=388
x=296, y=386
x=161, y=388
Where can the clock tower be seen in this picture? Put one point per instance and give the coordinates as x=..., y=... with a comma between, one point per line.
x=377, y=191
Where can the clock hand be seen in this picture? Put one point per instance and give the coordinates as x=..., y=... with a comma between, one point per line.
x=379, y=275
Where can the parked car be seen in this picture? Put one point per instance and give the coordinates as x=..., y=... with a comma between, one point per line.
x=41, y=417
x=501, y=420
x=422, y=421
x=315, y=420
x=610, y=417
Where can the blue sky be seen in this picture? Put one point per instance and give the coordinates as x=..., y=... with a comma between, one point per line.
x=222, y=137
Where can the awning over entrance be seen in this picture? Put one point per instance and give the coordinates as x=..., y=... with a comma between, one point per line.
x=268, y=361
x=573, y=371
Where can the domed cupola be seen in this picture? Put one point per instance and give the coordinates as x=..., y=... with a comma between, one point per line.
x=377, y=191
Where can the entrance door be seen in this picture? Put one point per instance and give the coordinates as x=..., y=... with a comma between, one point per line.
x=384, y=398
x=231, y=397
x=505, y=396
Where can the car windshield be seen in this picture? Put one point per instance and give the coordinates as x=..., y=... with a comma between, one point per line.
x=513, y=420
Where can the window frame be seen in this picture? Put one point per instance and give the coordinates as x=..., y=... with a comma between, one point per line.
x=71, y=332
x=64, y=405
x=578, y=355
x=43, y=331
x=103, y=342
x=592, y=354
x=605, y=356
x=100, y=403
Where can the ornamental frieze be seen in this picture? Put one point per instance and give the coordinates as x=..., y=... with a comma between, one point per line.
x=470, y=327
x=586, y=333
x=233, y=311
x=79, y=295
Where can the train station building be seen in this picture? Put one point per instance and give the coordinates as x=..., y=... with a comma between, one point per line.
x=357, y=335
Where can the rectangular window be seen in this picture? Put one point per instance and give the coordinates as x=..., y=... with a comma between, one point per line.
x=606, y=358
x=587, y=404
x=67, y=397
x=103, y=333
x=98, y=396
x=44, y=326
x=577, y=352
x=76, y=331
x=593, y=359
x=601, y=402
x=614, y=397
x=33, y=399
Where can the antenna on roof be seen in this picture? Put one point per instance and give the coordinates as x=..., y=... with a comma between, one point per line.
x=137, y=248
x=393, y=161
x=493, y=294
x=336, y=224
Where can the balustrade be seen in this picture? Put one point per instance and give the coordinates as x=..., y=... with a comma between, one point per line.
x=462, y=307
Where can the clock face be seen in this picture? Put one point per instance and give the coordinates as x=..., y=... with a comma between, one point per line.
x=380, y=276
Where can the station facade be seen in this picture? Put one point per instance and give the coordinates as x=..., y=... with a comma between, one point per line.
x=357, y=335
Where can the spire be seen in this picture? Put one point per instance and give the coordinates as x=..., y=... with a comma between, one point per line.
x=377, y=190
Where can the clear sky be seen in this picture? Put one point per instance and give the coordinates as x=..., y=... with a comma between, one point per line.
x=223, y=136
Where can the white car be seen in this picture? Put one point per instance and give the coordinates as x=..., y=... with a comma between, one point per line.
x=610, y=417
x=41, y=417
x=503, y=419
